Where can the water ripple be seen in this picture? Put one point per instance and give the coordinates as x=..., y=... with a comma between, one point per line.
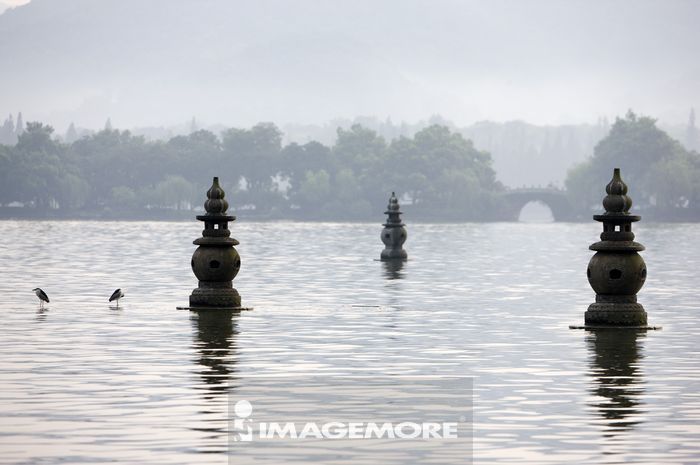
x=84, y=382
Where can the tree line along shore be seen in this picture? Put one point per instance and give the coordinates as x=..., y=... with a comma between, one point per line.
x=437, y=173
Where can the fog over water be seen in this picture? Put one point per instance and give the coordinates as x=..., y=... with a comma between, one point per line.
x=236, y=63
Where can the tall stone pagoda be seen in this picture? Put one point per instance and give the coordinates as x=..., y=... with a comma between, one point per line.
x=394, y=232
x=616, y=272
x=216, y=261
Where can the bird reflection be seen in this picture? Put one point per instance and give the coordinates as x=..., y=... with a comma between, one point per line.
x=216, y=349
x=392, y=269
x=41, y=314
x=615, y=357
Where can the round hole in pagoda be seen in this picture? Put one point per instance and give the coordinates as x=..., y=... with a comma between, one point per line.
x=214, y=264
x=615, y=274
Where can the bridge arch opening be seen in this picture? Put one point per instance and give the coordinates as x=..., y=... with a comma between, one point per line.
x=536, y=211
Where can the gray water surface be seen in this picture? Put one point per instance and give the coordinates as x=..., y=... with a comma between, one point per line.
x=84, y=382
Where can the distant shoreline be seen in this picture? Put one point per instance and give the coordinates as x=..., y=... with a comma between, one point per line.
x=34, y=214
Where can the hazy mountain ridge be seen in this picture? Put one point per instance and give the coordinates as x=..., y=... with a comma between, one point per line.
x=104, y=56
x=162, y=61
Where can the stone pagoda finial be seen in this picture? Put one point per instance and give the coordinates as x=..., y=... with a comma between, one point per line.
x=393, y=202
x=616, y=272
x=394, y=232
x=216, y=205
x=216, y=261
x=617, y=200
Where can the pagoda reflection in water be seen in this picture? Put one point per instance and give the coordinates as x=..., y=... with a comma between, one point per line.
x=393, y=269
x=615, y=356
x=215, y=348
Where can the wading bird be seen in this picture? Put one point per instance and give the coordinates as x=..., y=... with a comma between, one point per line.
x=116, y=295
x=42, y=296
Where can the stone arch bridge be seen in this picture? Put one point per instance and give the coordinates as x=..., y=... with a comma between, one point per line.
x=555, y=199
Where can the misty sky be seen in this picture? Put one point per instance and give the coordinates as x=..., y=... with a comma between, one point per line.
x=160, y=62
x=5, y=4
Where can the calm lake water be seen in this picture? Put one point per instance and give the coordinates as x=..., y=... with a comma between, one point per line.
x=487, y=304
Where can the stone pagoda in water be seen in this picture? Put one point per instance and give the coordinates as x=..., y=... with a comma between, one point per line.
x=394, y=232
x=216, y=261
x=616, y=272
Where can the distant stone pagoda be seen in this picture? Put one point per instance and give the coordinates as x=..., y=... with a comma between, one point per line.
x=216, y=261
x=616, y=272
x=394, y=232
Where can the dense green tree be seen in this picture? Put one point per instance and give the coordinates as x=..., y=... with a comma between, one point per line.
x=359, y=149
x=673, y=181
x=6, y=194
x=173, y=192
x=363, y=151
x=113, y=158
x=297, y=160
x=196, y=157
x=73, y=190
x=315, y=189
x=407, y=168
x=254, y=154
x=37, y=171
x=123, y=197
x=48, y=172
x=437, y=169
x=442, y=170
x=581, y=189
x=659, y=171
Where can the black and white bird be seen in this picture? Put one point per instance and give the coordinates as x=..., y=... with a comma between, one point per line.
x=116, y=295
x=42, y=296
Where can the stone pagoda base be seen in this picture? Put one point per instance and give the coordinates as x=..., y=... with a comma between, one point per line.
x=616, y=314
x=209, y=296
